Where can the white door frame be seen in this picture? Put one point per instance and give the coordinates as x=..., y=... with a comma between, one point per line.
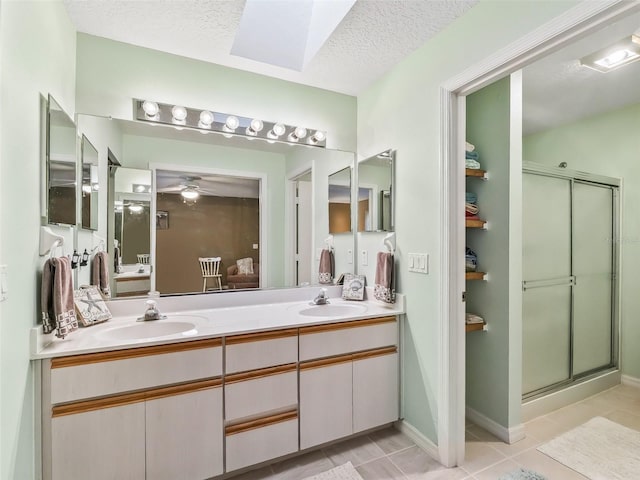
x=576, y=22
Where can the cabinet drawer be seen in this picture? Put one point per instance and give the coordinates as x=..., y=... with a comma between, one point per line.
x=346, y=337
x=255, y=444
x=276, y=389
x=99, y=374
x=260, y=350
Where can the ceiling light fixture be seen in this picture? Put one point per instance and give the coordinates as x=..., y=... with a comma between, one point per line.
x=190, y=193
x=621, y=53
x=208, y=121
x=135, y=208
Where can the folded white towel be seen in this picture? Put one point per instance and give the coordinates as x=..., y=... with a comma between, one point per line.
x=472, y=318
x=470, y=147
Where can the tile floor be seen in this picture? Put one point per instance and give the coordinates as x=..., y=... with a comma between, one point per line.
x=389, y=455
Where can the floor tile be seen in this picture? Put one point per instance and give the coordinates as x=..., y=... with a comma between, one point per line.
x=303, y=466
x=539, y=462
x=259, y=474
x=391, y=440
x=381, y=469
x=479, y=456
x=509, y=450
x=573, y=415
x=497, y=470
x=357, y=450
x=543, y=429
x=625, y=418
x=417, y=465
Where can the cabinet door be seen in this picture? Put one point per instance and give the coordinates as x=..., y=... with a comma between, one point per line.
x=325, y=402
x=185, y=435
x=104, y=444
x=375, y=391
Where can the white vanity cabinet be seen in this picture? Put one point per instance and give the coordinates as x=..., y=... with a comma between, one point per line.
x=124, y=428
x=261, y=397
x=348, y=378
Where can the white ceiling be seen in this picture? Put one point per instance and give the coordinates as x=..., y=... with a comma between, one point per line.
x=557, y=90
x=373, y=37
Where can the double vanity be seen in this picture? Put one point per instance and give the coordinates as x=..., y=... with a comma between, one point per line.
x=223, y=383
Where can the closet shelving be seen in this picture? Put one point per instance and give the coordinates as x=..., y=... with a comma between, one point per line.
x=475, y=173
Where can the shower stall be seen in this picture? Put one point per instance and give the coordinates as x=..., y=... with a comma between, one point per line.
x=570, y=277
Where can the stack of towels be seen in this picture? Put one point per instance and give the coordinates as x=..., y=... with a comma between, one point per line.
x=471, y=206
x=471, y=318
x=470, y=260
x=471, y=157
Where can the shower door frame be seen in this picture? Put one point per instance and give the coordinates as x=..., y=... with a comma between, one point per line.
x=615, y=185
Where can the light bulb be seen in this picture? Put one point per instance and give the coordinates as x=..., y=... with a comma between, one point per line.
x=278, y=129
x=257, y=125
x=190, y=193
x=135, y=208
x=206, y=118
x=318, y=137
x=232, y=122
x=179, y=113
x=151, y=109
x=300, y=132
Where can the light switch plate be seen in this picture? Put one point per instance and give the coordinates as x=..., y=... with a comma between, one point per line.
x=364, y=258
x=4, y=287
x=255, y=246
x=418, y=262
x=350, y=256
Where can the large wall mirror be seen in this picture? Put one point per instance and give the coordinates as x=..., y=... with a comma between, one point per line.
x=61, y=166
x=211, y=197
x=375, y=193
x=90, y=185
x=340, y=201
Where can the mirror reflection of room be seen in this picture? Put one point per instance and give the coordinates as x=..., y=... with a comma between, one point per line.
x=90, y=185
x=375, y=175
x=61, y=166
x=200, y=215
x=340, y=201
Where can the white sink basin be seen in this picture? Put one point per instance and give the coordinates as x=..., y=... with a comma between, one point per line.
x=332, y=310
x=152, y=329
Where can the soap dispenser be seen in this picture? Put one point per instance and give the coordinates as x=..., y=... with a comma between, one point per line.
x=152, y=312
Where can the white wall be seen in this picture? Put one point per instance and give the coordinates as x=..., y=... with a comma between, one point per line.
x=402, y=111
x=37, y=57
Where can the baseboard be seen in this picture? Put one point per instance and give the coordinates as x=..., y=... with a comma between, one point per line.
x=507, y=435
x=418, y=438
x=631, y=381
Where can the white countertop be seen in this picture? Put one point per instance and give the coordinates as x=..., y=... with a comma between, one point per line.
x=207, y=322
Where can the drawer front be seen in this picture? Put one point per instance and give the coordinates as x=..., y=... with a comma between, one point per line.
x=260, y=444
x=69, y=383
x=253, y=352
x=261, y=394
x=376, y=395
x=341, y=338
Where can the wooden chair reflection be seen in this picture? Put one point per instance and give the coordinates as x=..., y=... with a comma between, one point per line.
x=143, y=258
x=210, y=268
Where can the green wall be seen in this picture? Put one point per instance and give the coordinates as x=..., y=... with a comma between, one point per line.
x=37, y=57
x=606, y=144
x=402, y=111
x=111, y=74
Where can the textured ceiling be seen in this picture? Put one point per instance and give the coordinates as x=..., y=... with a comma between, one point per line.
x=557, y=90
x=373, y=37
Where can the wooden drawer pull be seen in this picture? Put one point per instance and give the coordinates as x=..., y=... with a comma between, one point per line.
x=87, y=358
x=326, y=362
x=374, y=353
x=342, y=325
x=261, y=336
x=261, y=422
x=134, y=397
x=261, y=373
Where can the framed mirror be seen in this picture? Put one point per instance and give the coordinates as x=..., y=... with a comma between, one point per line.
x=90, y=186
x=256, y=217
x=340, y=201
x=60, y=166
x=375, y=193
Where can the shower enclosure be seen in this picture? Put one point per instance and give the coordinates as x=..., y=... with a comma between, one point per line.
x=570, y=230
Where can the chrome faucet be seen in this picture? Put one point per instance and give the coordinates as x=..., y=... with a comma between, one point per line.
x=321, y=298
x=152, y=312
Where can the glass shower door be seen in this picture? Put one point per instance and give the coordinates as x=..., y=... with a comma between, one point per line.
x=593, y=247
x=547, y=274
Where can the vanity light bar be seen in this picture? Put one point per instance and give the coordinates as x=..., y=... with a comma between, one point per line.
x=227, y=124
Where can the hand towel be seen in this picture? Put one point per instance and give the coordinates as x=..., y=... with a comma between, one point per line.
x=100, y=273
x=471, y=164
x=58, y=311
x=384, y=287
x=327, y=266
x=472, y=156
x=116, y=260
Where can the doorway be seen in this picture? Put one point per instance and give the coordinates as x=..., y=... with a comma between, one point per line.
x=303, y=228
